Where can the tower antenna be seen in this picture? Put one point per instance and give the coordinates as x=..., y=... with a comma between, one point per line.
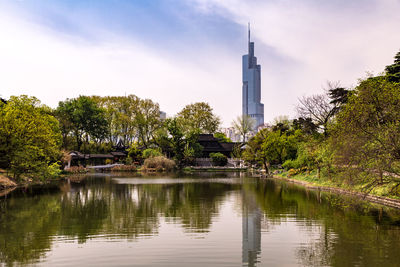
x=249, y=30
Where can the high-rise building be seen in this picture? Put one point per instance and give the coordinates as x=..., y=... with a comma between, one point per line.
x=251, y=90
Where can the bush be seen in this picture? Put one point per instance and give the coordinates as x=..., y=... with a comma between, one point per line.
x=218, y=159
x=76, y=169
x=151, y=153
x=124, y=168
x=53, y=171
x=159, y=163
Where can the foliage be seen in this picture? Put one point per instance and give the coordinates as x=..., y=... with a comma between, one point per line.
x=151, y=153
x=198, y=117
x=393, y=71
x=120, y=113
x=183, y=147
x=366, y=136
x=222, y=137
x=82, y=118
x=218, y=159
x=30, y=138
x=124, y=168
x=76, y=169
x=317, y=111
x=244, y=125
x=271, y=146
x=134, y=153
x=147, y=121
x=236, y=151
x=159, y=163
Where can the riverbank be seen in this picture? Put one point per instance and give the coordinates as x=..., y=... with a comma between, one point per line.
x=312, y=182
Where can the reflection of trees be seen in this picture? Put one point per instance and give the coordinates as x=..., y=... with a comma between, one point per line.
x=26, y=228
x=100, y=207
x=350, y=233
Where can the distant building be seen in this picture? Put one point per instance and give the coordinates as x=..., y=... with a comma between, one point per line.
x=251, y=90
x=231, y=134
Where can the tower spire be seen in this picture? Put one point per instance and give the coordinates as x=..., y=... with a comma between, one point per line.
x=249, y=30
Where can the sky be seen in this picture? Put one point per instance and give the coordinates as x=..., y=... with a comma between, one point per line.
x=178, y=52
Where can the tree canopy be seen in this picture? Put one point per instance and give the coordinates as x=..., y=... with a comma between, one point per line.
x=393, y=70
x=199, y=116
x=82, y=118
x=30, y=137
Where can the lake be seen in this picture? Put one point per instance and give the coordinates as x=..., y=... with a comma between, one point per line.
x=203, y=219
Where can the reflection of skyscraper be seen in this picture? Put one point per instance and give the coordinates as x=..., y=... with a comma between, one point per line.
x=251, y=89
x=251, y=231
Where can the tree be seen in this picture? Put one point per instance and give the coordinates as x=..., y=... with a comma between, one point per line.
x=120, y=113
x=270, y=146
x=393, y=71
x=366, y=136
x=30, y=138
x=147, y=121
x=222, y=137
x=199, y=116
x=177, y=141
x=243, y=125
x=82, y=118
x=321, y=108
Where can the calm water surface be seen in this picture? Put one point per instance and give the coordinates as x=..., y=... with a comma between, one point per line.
x=209, y=219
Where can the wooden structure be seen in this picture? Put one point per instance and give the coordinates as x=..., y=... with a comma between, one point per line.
x=211, y=144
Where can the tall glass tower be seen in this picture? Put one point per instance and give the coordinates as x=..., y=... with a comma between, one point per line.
x=251, y=90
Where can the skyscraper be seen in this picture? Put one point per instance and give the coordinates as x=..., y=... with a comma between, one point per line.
x=251, y=90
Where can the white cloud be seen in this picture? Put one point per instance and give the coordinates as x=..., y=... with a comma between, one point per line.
x=37, y=61
x=318, y=40
x=300, y=45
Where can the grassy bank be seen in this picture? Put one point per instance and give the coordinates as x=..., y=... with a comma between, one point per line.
x=381, y=194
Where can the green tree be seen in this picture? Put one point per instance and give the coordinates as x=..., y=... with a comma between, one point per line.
x=222, y=137
x=30, y=138
x=176, y=140
x=244, y=125
x=120, y=112
x=82, y=118
x=393, y=71
x=270, y=146
x=366, y=136
x=147, y=121
x=199, y=116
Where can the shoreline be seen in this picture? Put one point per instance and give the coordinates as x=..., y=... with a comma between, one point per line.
x=385, y=201
x=7, y=186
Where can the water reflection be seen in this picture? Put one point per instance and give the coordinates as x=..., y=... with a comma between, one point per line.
x=251, y=229
x=281, y=224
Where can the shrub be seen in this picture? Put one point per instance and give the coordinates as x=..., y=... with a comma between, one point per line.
x=128, y=161
x=76, y=169
x=109, y=161
x=52, y=171
x=159, y=163
x=218, y=159
x=126, y=168
x=151, y=153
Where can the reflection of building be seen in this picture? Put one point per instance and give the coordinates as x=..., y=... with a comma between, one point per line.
x=251, y=231
x=251, y=90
